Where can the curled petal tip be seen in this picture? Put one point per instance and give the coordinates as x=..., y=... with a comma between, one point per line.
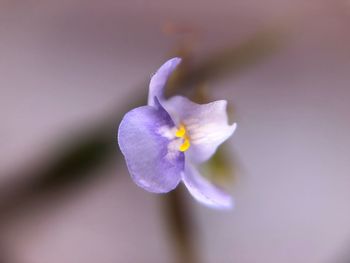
x=159, y=79
x=176, y=60
x=169, y=66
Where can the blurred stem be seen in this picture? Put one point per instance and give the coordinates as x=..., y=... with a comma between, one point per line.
x=180, y=226
x=68, y=167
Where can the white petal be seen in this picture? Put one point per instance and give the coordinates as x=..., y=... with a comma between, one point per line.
x=158, y=81
x=207, y=125
x=204, y=191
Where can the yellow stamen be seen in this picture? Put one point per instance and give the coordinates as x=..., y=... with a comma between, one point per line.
x=182, y=133
x=184, y=147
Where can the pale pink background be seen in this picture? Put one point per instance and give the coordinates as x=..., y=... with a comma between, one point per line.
x=65, y=64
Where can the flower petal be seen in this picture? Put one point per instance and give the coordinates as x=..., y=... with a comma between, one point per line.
x=159, y=80
x=207, y=125
x=204, y=191
x=145, y=149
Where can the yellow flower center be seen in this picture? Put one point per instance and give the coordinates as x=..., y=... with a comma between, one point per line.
x=182, y=133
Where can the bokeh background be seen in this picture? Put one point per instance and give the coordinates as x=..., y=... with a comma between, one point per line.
x=70, y=69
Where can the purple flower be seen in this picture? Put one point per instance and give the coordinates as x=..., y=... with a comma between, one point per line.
x=164, y=141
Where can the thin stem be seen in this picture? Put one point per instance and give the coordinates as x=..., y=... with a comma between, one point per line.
x=180, y=225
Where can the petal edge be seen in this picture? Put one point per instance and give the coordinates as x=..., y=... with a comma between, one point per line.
x=204, y=191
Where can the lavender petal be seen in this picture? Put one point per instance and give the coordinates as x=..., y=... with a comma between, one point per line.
x=145, y=149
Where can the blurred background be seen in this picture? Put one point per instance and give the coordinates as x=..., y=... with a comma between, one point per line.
x=69, y=70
